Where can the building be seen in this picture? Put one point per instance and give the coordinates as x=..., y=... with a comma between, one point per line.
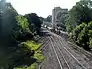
x=55, y=12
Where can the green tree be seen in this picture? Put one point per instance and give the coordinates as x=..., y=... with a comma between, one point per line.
x=24, y=32
x=83, y=37
x=81, y=12
x=49, y=18
x=8, y=26
x=22, y=23
x=8, y=22
x=62, y=17
x=34, y=22
x=77, y=30
x=90, y=34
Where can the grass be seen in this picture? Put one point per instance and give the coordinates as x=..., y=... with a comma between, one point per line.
x=37, y=55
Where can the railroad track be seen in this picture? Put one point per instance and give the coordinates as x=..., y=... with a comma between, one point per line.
x=45, y=43
x=62, y=55
x=86, y=56
x=61, y=60
x=78, y=57
x=50, y=56
x=82, y=57
x=71, y=61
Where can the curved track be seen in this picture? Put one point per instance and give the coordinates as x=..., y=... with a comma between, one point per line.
x=60, y=56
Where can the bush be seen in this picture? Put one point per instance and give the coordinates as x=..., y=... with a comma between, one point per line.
x=77, y=30
x=90, y=39
x=24, y=32
x=90, y=43
x=82, y=35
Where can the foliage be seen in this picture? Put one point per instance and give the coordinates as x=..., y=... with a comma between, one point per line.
x=77, y=30
x=79, y=23
x=29, y=45
x=48, y=19
x=8, y=26
x=90, y=34
x=82, y=35
x=90, y=42
x=38, y=56
x=23, y=23
x=34, y=22
x=61, y=17
x=20, y=56
x=33, y=66
x=81, y=12
x=24, y=31
x=14, y=29
x=7, y=22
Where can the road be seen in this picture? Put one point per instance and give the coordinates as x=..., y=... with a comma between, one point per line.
x=60, y=54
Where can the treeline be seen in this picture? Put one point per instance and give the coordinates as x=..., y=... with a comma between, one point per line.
x=29, y=26
x=14, y=26
x=14, y=29
x=79, y=23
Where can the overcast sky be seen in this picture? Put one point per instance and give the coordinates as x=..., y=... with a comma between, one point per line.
x=41, y=7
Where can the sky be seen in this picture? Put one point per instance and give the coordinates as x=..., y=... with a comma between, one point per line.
x=40, y=7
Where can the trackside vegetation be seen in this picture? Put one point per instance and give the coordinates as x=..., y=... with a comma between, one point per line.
x=18, y=43
x=79, y=23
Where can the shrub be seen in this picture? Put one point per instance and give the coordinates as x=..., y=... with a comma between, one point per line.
x=77, y=30
x=82, y=35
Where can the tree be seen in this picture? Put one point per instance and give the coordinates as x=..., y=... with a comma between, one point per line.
x=8, y=22
x=81, y=12
x=12, y=28
x=62, y=17
x=22, y=23
x=82, y=35
x=8, y=26
x=49, y=18
x=90, y=34
x=24, y=32
x=77, y=30
x=34, y=22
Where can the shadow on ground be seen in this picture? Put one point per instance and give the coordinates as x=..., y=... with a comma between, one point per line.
x=44, y=33
x=24, y=62
x=18, y=58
